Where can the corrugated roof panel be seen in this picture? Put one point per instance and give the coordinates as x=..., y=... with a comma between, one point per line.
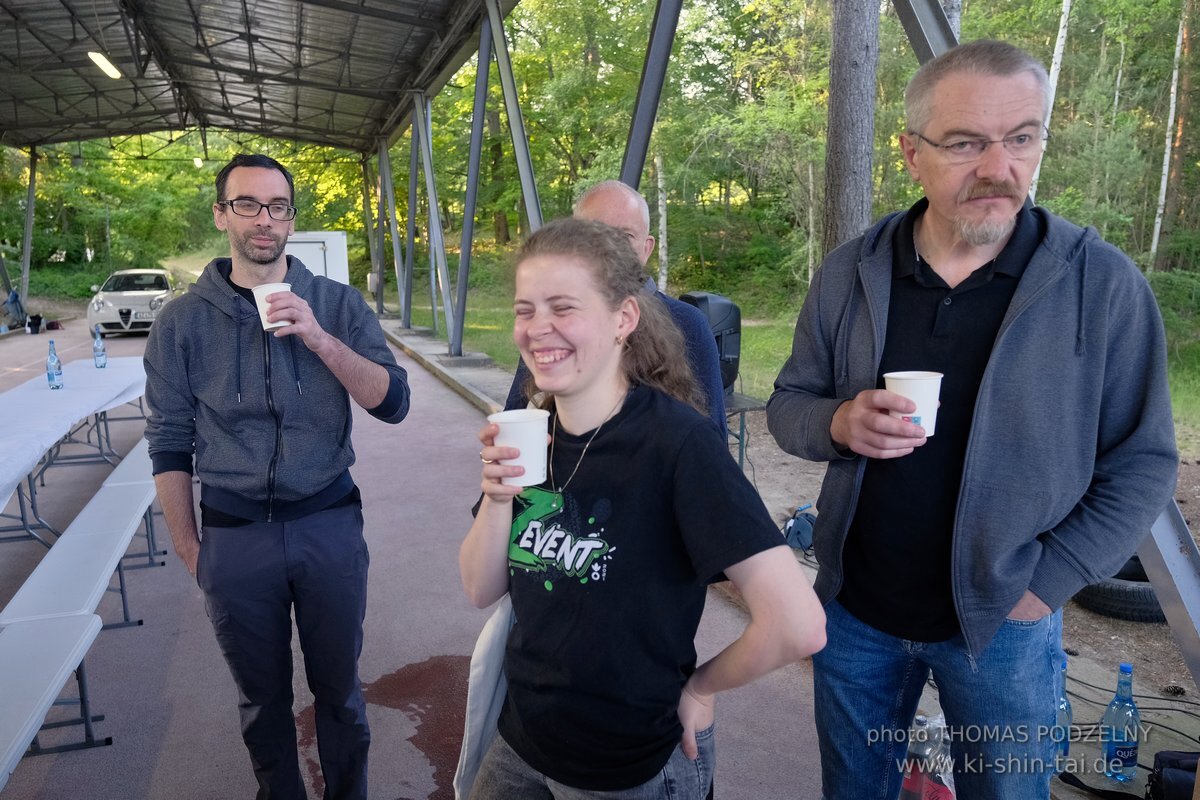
x=328, y=71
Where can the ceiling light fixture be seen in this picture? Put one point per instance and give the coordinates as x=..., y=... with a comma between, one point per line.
x=104, y=64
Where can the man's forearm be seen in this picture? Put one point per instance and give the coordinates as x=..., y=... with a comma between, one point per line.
x=175, y=497
x=366, y=381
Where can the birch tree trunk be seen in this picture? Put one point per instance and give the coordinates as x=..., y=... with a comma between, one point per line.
x=1060, y=44
x=1180, y=153
x=662, y=222
x=1166, y=167
x=851, y=128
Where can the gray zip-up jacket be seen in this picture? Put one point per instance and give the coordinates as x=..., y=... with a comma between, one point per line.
x=1071, y=454
x=268, y=422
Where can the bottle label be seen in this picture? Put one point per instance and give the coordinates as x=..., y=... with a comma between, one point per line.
x=1126, y=754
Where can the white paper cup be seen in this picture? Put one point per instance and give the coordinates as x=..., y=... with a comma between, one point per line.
x=923, y=389
x=260, y=299
x=524, y=429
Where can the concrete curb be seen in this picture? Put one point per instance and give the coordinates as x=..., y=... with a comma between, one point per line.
x=473, y=376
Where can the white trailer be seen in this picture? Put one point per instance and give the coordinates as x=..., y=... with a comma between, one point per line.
x=323, y=252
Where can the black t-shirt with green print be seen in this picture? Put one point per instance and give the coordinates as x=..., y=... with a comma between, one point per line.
x=608, y=585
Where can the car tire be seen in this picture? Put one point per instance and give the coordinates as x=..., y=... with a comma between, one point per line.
x=1127, y=595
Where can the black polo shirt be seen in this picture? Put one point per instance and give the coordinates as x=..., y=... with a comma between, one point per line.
x=897, y=555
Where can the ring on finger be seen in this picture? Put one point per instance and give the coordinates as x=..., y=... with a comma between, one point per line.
x=485, y=460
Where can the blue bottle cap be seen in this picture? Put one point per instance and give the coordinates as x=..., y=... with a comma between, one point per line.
x=1126, y=667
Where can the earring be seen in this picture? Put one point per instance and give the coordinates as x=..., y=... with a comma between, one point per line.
x=620, y=341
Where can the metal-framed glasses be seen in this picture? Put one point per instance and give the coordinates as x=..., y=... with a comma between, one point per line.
x=964, y=150
x=244, y=207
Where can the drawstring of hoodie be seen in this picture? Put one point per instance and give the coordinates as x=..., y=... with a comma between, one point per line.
x=237, y=338
x=1080, y=337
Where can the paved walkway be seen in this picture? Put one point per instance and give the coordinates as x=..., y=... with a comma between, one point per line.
x=170, y=705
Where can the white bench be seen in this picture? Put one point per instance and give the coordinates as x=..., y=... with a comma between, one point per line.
x=71, y=578
x=36, y=658
x=74, y=574
x=136, y=468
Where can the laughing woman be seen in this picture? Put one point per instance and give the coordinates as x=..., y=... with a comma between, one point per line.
x=604, y=695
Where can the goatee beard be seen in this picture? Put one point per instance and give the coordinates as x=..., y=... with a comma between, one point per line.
x=978, y=234
x=258, y=255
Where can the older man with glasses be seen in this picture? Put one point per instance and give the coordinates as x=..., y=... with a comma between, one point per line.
x=265, y=416
x=953, y=554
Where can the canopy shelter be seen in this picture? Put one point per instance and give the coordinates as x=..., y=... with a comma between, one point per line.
x=341, y=73
x=332, y=72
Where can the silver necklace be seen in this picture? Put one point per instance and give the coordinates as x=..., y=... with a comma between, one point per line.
x=554, y=438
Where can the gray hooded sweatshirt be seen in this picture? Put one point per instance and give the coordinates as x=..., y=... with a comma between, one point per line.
x=268, y=423
x=1071, y=454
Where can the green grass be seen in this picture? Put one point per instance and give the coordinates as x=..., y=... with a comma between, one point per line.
x=765, y=346
x=1183, y=370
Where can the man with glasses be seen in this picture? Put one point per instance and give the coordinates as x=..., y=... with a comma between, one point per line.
x=953, y=554
x=266, y=416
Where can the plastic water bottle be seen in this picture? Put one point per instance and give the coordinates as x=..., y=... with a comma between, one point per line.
x=53, y=368
x=99, y=354
x=1062, y=725
x=1120, y=728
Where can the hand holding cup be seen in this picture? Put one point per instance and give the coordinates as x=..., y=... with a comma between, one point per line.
x=261, y=292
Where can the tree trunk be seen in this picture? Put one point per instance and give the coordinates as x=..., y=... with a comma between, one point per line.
x=851, y=128
x=1162, y=189
x=1179, y=152
x=662, y=222
x=1060, y=44
x=500, y=216
x=812, y=225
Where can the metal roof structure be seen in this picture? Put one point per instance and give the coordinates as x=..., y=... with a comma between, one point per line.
x=331, y=72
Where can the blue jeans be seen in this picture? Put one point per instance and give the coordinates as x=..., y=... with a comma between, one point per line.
x=253, y=577
x=504, y=775
x=999, y=708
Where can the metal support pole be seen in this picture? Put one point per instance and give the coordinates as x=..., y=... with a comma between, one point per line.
x=389, y=191
x=417, y=136
x=411, y=230
x=1172, y=564
x=27, y=245
x=468, y=231
x=437, y=241
x=928, y=30
x=377, y=266
x=516, y=124
x=654, y=72
x=368, y=228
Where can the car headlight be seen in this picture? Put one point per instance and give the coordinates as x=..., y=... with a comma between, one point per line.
x=97, y=303
x=156, y=303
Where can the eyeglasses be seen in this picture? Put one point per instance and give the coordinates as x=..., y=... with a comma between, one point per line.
x=280, y=212
x=1020, y=146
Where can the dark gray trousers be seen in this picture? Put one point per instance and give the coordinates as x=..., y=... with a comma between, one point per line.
x=252, y=577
